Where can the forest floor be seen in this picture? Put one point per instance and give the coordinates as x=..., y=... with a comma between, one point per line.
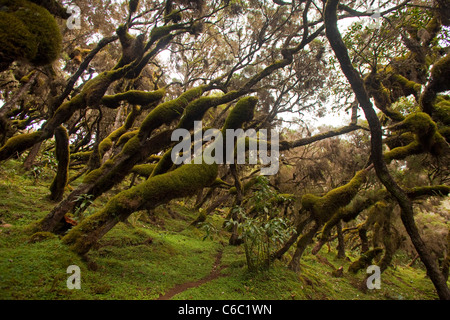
x=163, y=257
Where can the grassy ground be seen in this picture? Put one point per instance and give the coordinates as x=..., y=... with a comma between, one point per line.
x=147, y=256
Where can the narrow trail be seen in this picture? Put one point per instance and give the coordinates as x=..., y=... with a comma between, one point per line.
x=215, y=273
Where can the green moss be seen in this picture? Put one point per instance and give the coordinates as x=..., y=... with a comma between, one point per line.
x=440, y=73
x=93, y=176
x=242, y=112
x=159, y=32
x=325, y=207
x=164, y=164
x=132, y=146
x=168, y=111
x=195, y=111
x=41, y=236
x=94, y=90
x=81, y=156
x=19, y=143
x=427, y=138
x=442, y=110
x=134, y=97
x=104, y=146
x=408, y=86
x=29, y=32
x=144, y=170
x=15, y=47
x=439, y=190
x=126, y=137
x=445, y=133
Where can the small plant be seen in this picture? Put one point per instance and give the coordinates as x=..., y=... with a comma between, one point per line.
x=84, y=200
x=261, y=235
x=261, y=229
x=210, y=230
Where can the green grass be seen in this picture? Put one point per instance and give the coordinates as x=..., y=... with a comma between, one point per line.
x=147, y=256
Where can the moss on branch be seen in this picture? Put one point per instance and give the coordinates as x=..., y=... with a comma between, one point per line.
x=326, y=206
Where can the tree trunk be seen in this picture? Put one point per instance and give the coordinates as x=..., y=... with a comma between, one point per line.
x=62, y=156
x=31, y=157
x=341, y=242
x=302, y=244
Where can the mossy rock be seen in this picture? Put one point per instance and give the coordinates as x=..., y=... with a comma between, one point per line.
x=41, y=236
x=28, y=32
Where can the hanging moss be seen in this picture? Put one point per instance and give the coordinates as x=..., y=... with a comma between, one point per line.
x=133, y=5
x=30, y=32
x=365, y=260
x=324, y=207
x=134, y=97
x=62, y=156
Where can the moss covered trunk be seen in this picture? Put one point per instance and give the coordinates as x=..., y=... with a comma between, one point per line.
x=184, y=181
x=302, y=244
x=62, y=156
x=108, y=177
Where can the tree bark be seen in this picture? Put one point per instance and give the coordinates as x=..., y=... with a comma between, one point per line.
x=31, y=157
x=302, y=244
x=341, y=242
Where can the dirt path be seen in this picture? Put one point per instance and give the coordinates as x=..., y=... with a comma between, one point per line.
x=215, y=273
